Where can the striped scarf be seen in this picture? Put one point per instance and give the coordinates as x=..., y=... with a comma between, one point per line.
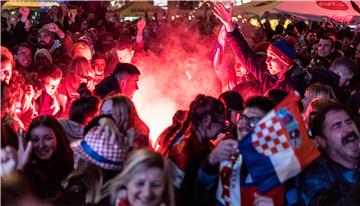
x=228, y=192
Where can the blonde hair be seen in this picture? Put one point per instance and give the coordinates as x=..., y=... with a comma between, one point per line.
x=317, y=90
x=137, y=162
x=320, y=90
x=79, y=46
x=123, y=111
x=81, y=66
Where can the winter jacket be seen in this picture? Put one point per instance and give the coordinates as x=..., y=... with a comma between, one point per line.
x=293, y=79
x=326, y=182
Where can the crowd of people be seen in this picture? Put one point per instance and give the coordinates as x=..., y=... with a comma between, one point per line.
x=71, y=133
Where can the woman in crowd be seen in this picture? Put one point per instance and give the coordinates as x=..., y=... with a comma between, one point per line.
x=11, y=81
x=82, y=111
x=79, y=71
x=144, y=181
x=317, y=90
x=98, y=158
x=192, y=143
x=51, y=159
x=123, y=110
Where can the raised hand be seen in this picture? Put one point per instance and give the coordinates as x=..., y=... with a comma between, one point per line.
x=23, y=152
x=223, y=151
x=9, y=161
x=224, y=15
x=52, y=27
x=141, y=24
x=91, y=85
x=12, y=160
x=24, y=11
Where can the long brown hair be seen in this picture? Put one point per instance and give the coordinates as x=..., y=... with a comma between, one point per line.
x=61, y=162
x=200, y=107
x=123, y=111
x=80, y=66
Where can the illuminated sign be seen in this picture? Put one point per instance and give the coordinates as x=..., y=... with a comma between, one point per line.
x=332, y=5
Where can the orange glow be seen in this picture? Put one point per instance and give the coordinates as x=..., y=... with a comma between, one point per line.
x=164, y=84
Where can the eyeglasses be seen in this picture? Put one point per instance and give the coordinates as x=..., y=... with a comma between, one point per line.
x=251, y=120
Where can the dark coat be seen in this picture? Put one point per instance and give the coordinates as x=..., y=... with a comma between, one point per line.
x=325, y=76
x=107, y=86
x=294, y=79
x=74, y=193
x=325, y=182
x=18, y=36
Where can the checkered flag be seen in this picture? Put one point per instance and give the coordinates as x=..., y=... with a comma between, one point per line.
x=278, y=148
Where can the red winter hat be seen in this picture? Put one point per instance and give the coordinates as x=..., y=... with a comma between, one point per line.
x=283, y=50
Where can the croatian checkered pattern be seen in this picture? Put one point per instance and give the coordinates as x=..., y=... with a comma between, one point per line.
x=103, y=147
x=269, y=138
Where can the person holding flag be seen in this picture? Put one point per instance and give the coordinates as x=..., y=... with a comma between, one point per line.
x=208, y=176
x=273, y=146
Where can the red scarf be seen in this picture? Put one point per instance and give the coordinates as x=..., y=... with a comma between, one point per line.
x=225, y=175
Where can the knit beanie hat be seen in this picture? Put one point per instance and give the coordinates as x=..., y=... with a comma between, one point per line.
x=284, y=50
x=43, y=52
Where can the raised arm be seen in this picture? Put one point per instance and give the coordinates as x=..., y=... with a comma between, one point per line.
x=140, y=44
x=52, y=27
x=20, y=34
x=239, y=45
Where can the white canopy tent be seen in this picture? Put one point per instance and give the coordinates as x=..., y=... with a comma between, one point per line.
x=256, y=7
x=339, y=11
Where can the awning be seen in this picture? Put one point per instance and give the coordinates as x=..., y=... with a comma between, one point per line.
x=30, y=4
x=256, y=7
x=138, y=8
x=339, y=11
